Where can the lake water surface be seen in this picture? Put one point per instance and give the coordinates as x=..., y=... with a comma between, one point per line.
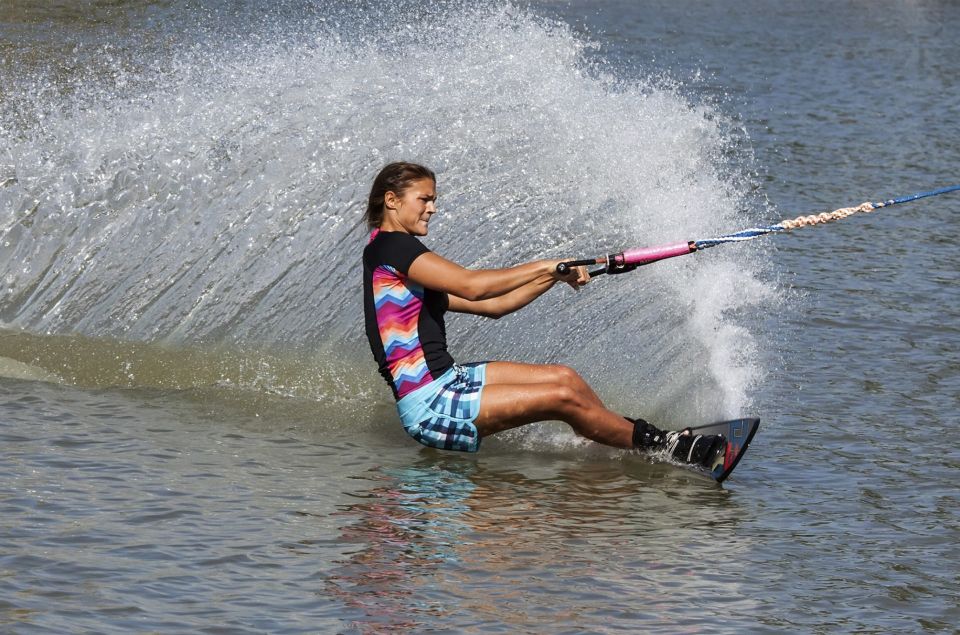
x=194, y=438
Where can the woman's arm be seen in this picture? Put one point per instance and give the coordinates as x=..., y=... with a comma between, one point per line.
x=505, y=304
x=490, y=292
x=438, y=273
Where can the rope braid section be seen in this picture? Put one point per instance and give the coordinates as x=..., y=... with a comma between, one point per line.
x=826, y=217
x=815, y=219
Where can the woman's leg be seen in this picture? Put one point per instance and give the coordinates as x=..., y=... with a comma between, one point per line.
x=521, y=373
x=517, y=394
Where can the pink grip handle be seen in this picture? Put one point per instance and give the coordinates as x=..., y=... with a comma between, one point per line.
x=652, y=254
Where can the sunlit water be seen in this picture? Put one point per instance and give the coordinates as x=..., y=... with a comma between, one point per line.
x=195, y=438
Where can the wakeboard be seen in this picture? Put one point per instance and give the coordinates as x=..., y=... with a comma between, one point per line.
x=738, y=433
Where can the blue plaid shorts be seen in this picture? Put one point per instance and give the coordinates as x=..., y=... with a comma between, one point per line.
x=441, y=414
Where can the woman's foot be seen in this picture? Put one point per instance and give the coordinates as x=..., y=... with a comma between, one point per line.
x=682, y=445
x=647, y=436
x=705, y=451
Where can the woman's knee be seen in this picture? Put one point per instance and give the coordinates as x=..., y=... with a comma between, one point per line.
x=569, y=399
x=565, y=375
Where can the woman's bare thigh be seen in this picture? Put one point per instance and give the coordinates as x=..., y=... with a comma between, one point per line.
x=519, y=373
x=505, y=406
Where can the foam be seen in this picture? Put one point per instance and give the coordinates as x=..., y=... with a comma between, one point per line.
x=218, y=200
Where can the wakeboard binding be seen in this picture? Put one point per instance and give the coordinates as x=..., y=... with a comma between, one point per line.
x=713, y=449
x=705, y=451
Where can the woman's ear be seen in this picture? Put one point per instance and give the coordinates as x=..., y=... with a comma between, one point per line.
x=390, y=200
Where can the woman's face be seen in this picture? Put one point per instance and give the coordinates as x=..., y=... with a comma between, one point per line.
x=411, y=212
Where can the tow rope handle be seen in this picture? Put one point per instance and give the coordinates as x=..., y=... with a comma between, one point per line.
x=629, y=260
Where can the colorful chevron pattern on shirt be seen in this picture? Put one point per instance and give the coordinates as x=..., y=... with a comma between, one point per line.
x=398, y=302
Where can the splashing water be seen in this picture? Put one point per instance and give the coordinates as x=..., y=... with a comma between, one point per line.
x=218, y=201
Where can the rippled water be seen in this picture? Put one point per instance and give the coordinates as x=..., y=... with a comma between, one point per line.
x=193, y=437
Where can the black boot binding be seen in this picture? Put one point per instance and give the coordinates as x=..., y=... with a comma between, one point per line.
x=705, y=451
x=647, y=436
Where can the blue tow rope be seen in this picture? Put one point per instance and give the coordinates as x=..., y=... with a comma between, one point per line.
x=786, y=225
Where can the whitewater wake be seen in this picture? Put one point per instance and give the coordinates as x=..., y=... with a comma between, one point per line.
x=212, y=200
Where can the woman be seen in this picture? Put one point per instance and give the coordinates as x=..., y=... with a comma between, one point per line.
x=407, y=289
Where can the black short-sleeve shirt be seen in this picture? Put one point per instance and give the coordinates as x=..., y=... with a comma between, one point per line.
x=404, y=321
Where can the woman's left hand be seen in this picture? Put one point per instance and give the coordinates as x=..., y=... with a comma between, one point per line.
x=577, y=277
